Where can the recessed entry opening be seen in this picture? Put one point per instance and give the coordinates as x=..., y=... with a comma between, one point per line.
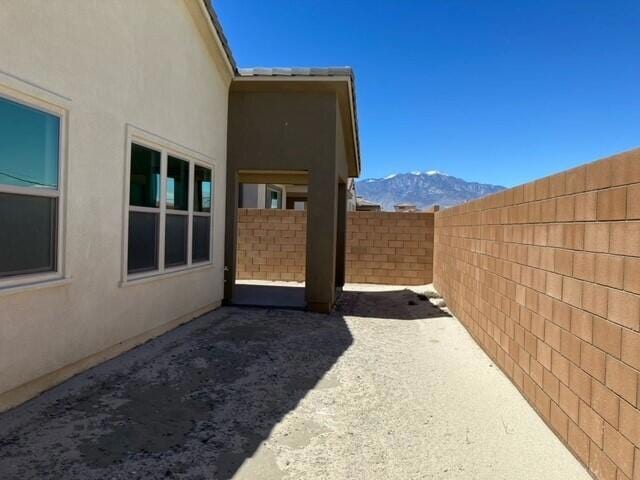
x=271, y=242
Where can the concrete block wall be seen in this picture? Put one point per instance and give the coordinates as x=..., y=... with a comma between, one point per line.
x=385, y=248
x=390, y=248
x=271, y=244
x=546, y=278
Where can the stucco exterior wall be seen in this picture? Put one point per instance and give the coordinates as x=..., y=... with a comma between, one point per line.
x=152, y=64
x=283, y=130
x=546, y=277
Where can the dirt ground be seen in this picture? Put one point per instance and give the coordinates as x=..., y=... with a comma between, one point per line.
x=388, y=387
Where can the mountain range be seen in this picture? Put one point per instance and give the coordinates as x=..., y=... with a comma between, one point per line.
x=422, y=189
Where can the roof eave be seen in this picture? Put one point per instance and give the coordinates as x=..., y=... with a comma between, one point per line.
x=221, y=40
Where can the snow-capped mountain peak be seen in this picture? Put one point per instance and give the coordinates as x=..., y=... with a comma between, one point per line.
x=422, y=189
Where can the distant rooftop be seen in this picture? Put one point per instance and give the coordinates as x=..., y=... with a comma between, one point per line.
x=363, y=201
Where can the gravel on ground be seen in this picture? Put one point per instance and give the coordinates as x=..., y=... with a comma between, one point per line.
x=387, y=387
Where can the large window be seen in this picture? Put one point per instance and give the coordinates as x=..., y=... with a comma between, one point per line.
x=202, y=196
x=29, y=190
x=169, y=213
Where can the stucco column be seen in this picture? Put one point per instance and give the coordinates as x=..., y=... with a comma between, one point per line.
x=322, y=206
x=231, y=232
x=341, y=232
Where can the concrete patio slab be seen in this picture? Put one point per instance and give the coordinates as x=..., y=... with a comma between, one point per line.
x=387, y=387
x=251, y=293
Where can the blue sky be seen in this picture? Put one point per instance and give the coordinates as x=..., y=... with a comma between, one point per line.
x=497, y=91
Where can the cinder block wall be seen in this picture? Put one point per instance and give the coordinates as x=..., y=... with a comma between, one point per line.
x=271, y=244
x=546, y=277
x=390, y=248
x=385, y=248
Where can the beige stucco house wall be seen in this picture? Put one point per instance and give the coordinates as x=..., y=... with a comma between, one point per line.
x=113, y=69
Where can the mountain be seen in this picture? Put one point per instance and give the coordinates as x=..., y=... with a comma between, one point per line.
x=422, y=189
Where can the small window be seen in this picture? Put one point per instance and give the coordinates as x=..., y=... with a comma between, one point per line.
x=145, y=177
x=143, y=241
x=29, y=189
x=202, y=190
x=177, y=184
x=175, y=249
x=274, y=197
x=201, y=238
x=170, y=203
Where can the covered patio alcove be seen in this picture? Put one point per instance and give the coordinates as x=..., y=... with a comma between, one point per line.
x=296, y=126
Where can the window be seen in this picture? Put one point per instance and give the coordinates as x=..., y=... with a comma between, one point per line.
x=30, y=195
x=144, y=209
x=274, y=197
x=202, y=194
x=169, y=212
x=176, y=225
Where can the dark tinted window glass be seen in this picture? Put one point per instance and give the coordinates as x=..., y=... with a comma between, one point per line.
x=202, y=191
x=177, y=184
x=143, y=242
x=27, y=234
x=144, y=188
x=29, y=146
x=273, y=199
x=201, y=232
x=175, y=242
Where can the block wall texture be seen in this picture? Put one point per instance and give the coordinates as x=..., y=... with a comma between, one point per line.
x=390, y=248
x=384, y=248
x=271, y=244
x=546, y=278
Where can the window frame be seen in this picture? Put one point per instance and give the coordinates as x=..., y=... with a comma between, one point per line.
x=49, y=103
x=166, y=149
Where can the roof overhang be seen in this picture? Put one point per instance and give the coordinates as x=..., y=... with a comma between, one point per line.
x=337, y=80
x=340, y=80
x=216, y=30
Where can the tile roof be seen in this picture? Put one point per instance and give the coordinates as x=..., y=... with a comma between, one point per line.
x=223, y=39
x=296, y=72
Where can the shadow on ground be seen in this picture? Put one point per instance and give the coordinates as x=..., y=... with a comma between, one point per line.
x=281, y=296
x=192, y=404
x=392, y=305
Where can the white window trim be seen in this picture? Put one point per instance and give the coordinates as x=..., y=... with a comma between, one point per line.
x=26, y=94
x=166, y=148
